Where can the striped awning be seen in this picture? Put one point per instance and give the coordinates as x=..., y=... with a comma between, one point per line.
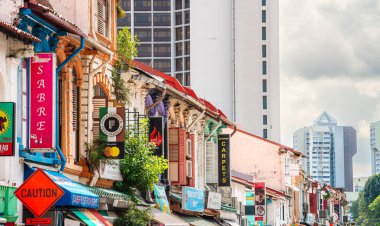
x=91, y=217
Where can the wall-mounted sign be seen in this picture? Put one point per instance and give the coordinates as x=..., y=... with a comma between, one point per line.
x=156, y=131
x=224, y=177
x=214, y=200
x=42, y=101
x=39, y=192
x=38, y=221
x=7, y=129
x=112, y=131
x=294, y=169
x=260, y=201
x=111, y=170
x=250, y=207
x=161, y=199
x=193, y=199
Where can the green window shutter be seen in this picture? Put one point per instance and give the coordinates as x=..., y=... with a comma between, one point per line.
x=2, y=199
x=10, y=210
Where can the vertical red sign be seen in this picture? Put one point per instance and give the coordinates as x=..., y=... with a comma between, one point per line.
x=42, y=100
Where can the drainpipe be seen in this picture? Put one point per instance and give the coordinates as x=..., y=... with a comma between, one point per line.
x=59, y=68
x=196, y=120
x=208, y=137
x=147, y=109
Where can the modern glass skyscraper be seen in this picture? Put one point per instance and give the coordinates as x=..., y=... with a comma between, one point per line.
x=375, y=147
x=329, y=149
x=163, y=30
x=226, y=50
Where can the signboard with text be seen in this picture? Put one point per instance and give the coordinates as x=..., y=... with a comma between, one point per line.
x=7, y=129
x=38, y=193
x=224, y=177
x=260, y=201
x=161, y=198
x=193, y=199
x=214, y=200
x=112, y=131
x=250, y=207
x=42, y=101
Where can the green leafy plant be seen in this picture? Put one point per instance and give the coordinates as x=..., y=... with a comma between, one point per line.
x=119, y=11
x=126, y=50
x=95, y=154
x=140, y=167
x=134, y=216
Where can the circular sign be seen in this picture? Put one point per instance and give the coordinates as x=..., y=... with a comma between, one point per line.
x=4, y=122
x=111, y=124
x=260, y=211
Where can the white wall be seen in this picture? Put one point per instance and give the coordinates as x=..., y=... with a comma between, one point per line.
x=211, y=52
x=249, y=95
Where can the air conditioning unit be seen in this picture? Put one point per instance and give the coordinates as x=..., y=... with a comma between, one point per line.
x=189, y=168
x=188, y=148
x=322, y=214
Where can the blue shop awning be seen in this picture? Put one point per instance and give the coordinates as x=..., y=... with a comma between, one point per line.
x=76, y=195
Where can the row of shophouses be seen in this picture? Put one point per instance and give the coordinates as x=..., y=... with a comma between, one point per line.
x=218, y=174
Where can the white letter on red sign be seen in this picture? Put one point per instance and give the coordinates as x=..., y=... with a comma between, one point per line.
x=40, y=125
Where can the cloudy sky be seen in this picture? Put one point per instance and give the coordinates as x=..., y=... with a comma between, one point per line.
x=330, y=60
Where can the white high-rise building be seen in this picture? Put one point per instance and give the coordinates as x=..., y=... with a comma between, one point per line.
x=375, y=147
x=226, y=50
x=329, y=149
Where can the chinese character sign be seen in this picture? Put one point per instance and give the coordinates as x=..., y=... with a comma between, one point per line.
x=260, y=201
x=193, y=199
x=7, y=130
x=42, y=101
x=224, y=178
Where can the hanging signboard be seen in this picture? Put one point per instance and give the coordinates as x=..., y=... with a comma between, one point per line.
x=214, y=200
x=224, y=177
x=294, y=169
x=161, y=199
x=38, y=193
x=7, y=129
x=250, y=207
x=112, y=131
x=111, y=170
x=260, y=201
x=193, y=199
x=42, y=101
x=156, y=131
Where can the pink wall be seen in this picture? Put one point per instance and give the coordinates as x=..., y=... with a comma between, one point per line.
x=258, y=158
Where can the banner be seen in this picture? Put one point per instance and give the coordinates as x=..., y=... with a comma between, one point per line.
x=224, y=177
x=7, y=129
x=156, y=131
x=260, y=201
x=193, y=199
x=42, y=101
x=161, y=199
x=112, y=131
x=250, y=207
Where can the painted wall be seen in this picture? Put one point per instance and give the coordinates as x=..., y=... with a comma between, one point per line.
x=258, y=158
x=76, y=11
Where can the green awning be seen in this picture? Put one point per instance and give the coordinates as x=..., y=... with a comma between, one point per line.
x=109, y=193
x=196, y=221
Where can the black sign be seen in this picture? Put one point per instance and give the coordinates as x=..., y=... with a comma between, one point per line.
x=156, y=134
x=224, y=176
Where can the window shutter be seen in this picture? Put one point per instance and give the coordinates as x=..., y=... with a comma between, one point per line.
x=182, y=157
x=211, y=163
x=101, y=14
x=173, y=155
x=97, y=104
x=192, y=147
x=75, y=106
